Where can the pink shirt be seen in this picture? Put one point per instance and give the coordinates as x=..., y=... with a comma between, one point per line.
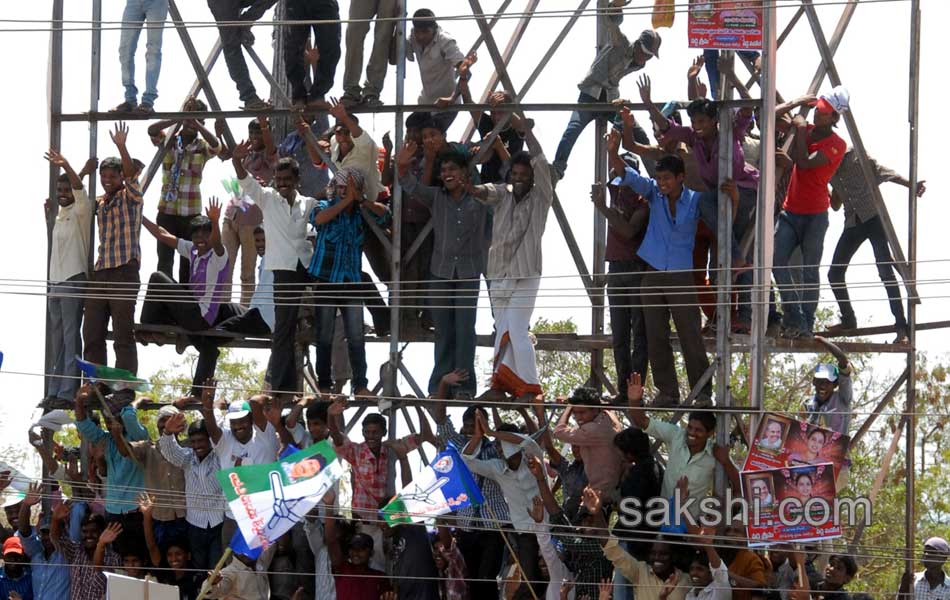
x=594, y=441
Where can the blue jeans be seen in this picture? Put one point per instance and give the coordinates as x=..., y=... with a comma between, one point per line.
x=712, y=67
x=628, y=330
x=65, y=322
x=205, y=546
x=352, y=310
x=454, y=329
x=709, y=211
x=137, y=12
x=580, y=119
x=807, y=232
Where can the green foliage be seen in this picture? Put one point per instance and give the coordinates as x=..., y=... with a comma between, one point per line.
x=562, y=372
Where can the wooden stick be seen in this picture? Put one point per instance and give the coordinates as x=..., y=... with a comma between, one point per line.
x=206, y=586
x=514, y=556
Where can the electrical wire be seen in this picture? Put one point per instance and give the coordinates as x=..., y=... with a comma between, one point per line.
x=557, y=14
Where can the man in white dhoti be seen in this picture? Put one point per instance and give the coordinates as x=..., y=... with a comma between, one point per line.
x=514, y=269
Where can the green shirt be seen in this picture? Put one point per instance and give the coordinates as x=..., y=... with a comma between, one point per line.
x=700, y=468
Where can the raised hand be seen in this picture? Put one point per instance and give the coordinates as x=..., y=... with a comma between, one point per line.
x=634, y=389
x=535, y=466
x=399, y=447
x=241, y=150
x=120, y=134
x=33, y=494
x=696, y=67
x=668, y=586
x=351, y=194
x=56, y=159
x=730, y=188
x=598, y=195
x=146, y=504
x=591, y=500
x=921, y=188
x=61, y=512
x=566, y=586
x=613, y=142
x=626, y=116
x=214, y=209
x=302, y=126
x=537, y=509
x=388, y=143
x=643, y=84
x=605, y=589
x=338, y=110
x=337, y=407
x=312, y=56
x=207, y=394
x=406, y=155
x=109, y=535
x=175, y=424
x=455, y=377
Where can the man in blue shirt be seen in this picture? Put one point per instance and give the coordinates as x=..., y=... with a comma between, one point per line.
x=336, y=266
x=48, y=565
x=126, y=477
x=667, y=285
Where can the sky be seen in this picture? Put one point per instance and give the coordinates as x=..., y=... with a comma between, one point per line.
x=873, y=66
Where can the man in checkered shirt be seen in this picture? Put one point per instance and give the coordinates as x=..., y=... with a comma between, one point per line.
x=932, y=583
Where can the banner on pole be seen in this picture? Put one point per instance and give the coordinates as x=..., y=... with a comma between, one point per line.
x=725, y=24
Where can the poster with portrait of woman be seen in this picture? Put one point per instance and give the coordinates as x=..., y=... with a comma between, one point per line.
x=791, y=504
x=782, y=441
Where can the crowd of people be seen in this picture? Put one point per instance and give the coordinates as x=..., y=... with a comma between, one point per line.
x=305, y=212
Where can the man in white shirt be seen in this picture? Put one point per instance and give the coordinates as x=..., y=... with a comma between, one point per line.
x=514, y=269
x=288, y=253
x=518, y=485
x=68, y=266
x=198, y=305
x=248, y=438
x=707, y=572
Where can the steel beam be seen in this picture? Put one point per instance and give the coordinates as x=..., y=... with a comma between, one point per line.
x=599, y=262
x=764, y=221
x=723, y=359
x=196, y=65
x=395, y=357
x=900, y=263
x=910, y=466
x=885, y=401
x=879, y=482
x=513, y=43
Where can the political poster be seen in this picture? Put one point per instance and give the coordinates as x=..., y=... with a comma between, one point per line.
x=725, y=25
x=781, y=441
x=791, y=504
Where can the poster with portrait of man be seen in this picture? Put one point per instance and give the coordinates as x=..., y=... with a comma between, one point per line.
x=782, y=441
x=791, y=504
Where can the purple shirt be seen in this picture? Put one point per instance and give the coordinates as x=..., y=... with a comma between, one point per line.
x=707, y=159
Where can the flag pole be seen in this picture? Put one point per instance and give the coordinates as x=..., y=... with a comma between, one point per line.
x=511, y=550
x=108, y=413
x=206, y=586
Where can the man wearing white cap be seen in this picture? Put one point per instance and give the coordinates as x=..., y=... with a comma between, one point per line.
x=249, y=439
x=830, y=407
x=518, y=485
x=932, y=583
x=164, y=481
x=816, y=153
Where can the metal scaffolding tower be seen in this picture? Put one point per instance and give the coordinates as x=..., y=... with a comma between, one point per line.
x=593, y=277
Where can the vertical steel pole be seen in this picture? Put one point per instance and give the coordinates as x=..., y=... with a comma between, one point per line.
x=395, y=301
x=55, y=74
x=765, y=208
x=94, y=87
x=600, y=223
x=724, y=267
x=914, y=107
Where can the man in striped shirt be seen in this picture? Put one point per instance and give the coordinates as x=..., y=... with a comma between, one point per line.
x=514, y=268
x=204, y=500
x=115, y=278
x=336, y=264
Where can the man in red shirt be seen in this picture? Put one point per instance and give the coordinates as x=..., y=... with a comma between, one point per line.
x=816, y=153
